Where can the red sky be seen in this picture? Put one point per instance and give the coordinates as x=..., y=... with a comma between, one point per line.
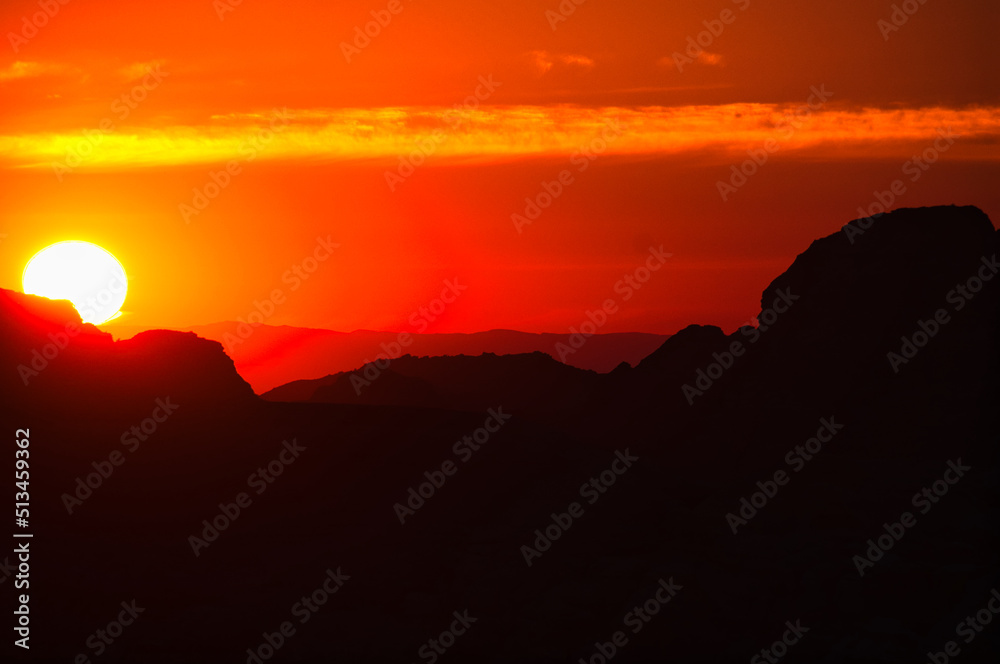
x=198, y=91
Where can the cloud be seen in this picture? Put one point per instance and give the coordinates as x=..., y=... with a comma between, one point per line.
x=21, y=69
x=704, y=58
x=711, y=59
x=137, y=70
x=543, y=61
x=493, y=134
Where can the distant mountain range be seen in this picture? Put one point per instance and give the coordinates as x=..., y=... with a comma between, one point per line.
x=827, y=481
x=268, y=356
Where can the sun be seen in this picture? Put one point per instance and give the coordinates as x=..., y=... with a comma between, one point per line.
x=81, y=272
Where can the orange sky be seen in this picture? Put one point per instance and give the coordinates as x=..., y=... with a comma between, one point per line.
x=116, y=118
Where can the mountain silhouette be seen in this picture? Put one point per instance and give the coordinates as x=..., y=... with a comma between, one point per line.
x=682, y=454
x=534, y=384
x=269, y=356
x=54, y=357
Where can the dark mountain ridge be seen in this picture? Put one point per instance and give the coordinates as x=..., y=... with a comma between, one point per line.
x=686, y=436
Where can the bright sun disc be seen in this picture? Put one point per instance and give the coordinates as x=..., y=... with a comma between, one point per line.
x=81, y=272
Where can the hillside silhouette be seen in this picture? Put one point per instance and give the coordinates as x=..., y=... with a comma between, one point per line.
x=533, y=385
x=704, y=421
x=269, y=356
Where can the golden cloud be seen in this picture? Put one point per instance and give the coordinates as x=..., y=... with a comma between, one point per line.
x=498, y=133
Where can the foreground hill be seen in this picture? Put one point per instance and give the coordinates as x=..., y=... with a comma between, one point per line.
x=51, y=357
x=804, y=484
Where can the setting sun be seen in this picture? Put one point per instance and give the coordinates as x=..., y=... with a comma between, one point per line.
x=81, y=272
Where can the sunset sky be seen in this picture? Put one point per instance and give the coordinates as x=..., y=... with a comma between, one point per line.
x=209, y=146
